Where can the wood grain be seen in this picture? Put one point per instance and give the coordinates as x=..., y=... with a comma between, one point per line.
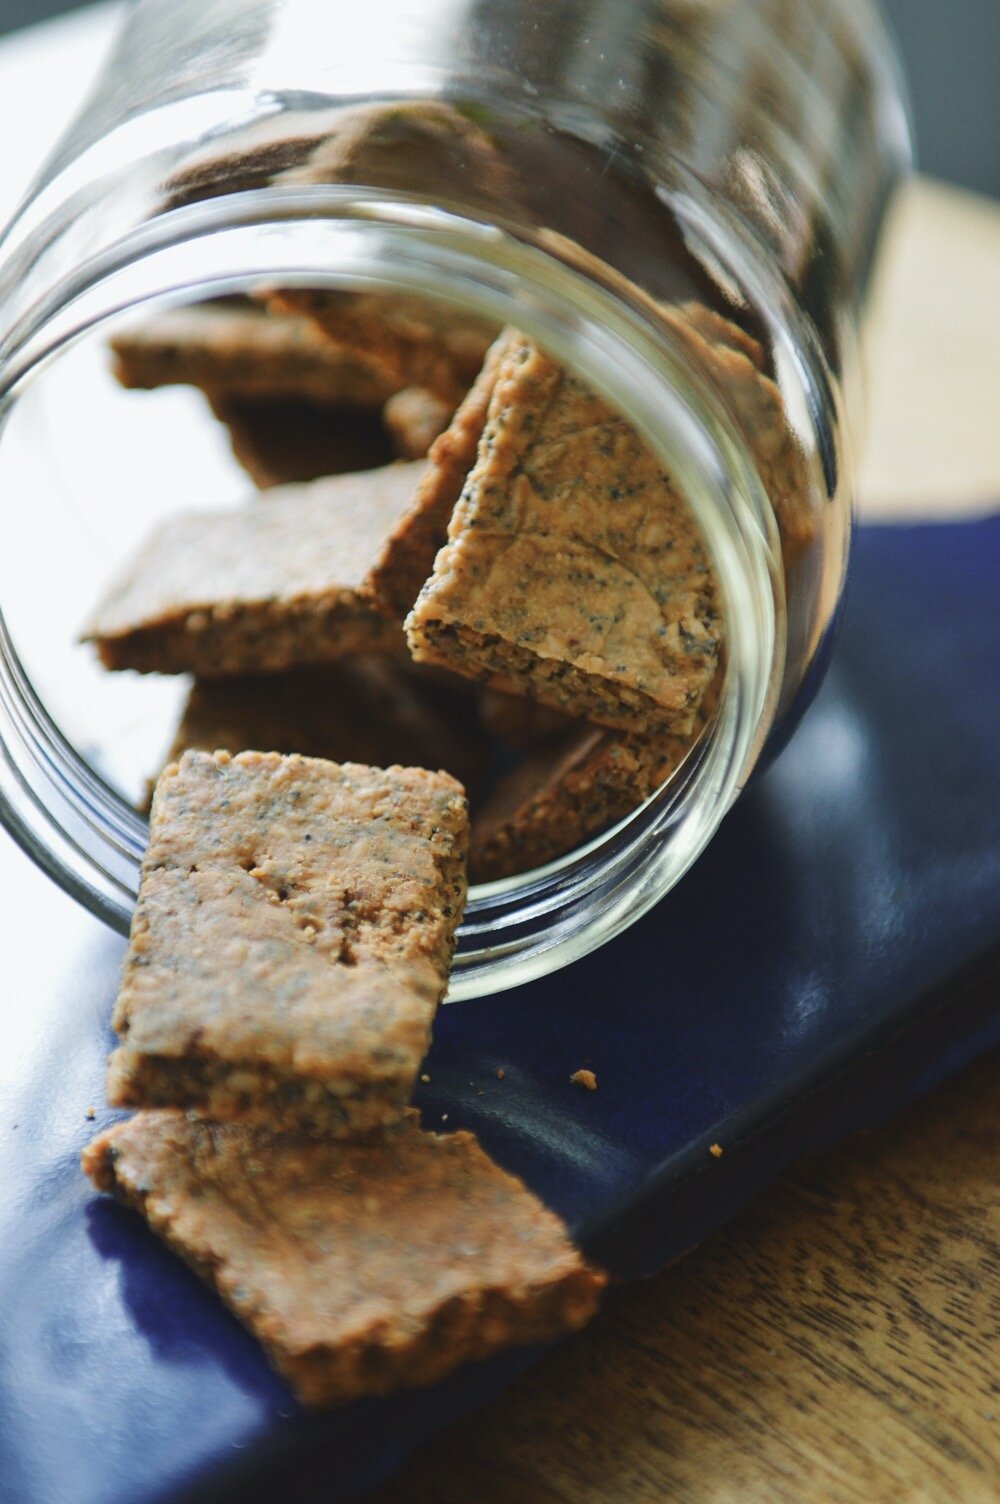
x=837, y=1343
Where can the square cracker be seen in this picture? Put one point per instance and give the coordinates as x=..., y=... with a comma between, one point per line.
x=258, y=588
x=291, y=942
x=573, y=572
x=361, y=1268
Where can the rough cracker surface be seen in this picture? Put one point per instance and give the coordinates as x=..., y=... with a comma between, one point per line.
x=573, y=571
x=241, y=349
x=413, y=419
x=292, y=940
x=361, y=1268
x=258, y=588
x=407, y=556
x=369, y=709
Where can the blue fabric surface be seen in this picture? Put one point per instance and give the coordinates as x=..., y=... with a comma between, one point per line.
x=828, y=958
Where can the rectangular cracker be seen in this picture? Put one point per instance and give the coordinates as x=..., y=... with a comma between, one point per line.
x=361, y=1268
x=291, y=942
x=407, y=555
x=415, y=341
x=564, y=792
x=375, y=710
x=573, y=571
x=258, y=588
x=240, y=349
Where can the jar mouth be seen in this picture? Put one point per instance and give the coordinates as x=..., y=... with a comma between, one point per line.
x=85, y=834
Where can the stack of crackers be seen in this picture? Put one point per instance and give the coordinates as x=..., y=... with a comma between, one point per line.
x=458, y=557
x=290, y=946
x=505, y=584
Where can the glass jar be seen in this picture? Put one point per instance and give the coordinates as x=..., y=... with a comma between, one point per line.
x=679, y=199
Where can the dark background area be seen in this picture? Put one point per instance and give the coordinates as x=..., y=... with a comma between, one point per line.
x=952, y=53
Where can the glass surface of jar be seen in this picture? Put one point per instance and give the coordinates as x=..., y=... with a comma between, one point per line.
x=680, y=200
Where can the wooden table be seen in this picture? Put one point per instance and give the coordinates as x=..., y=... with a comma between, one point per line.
x=839, y=1342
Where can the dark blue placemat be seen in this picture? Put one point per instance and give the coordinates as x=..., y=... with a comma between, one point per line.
x=833, y=954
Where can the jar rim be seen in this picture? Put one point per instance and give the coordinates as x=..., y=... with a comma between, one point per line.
x=519, y=928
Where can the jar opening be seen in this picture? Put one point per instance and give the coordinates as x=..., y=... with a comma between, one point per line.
x=56, y=790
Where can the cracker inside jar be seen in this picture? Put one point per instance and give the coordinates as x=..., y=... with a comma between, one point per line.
x=537, y=573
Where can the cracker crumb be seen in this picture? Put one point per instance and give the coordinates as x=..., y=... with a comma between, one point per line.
x=90, y=1114
x=500, y=1073
x=425, y=1079
x=584, y=1078
x=715, y=1150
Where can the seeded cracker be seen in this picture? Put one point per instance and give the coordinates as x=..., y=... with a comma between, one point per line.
x=291, y=942
x=573, y=571
x=261, y=587
x=241, y=349
x=361, y=1268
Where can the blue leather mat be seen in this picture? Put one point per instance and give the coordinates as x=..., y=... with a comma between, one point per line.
x=832, y=955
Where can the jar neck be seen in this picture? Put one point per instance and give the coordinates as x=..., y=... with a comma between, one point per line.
x=339, y=237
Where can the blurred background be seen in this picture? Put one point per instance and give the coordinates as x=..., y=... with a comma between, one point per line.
x=952, y=54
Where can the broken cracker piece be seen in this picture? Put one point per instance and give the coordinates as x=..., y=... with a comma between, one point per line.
x=413, y=419
x=291, y=942
x=407, y=555
x=240, y=349
x=258, y=588
x=584, y=1078
x=574, y=571
x=370, y=709
x=360, y=1267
